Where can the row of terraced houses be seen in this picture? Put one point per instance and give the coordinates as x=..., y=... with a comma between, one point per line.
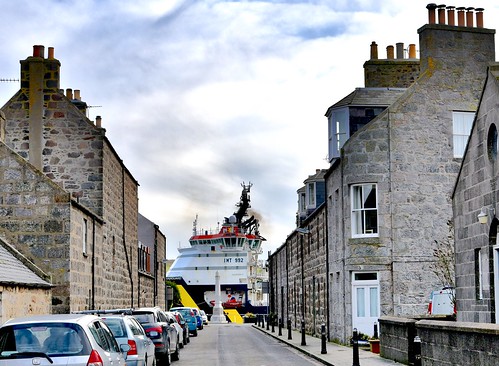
x=412, y=164
x=71, y=236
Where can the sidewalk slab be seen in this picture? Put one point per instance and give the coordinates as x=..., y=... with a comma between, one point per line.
x=336, y=355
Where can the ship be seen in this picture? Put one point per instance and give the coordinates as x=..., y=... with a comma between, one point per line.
x=233, y=251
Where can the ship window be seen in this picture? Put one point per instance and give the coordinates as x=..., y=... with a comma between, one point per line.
x=212, y=248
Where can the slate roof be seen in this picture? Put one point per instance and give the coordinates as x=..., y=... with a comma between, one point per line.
x=15, y=272
x=365, y=97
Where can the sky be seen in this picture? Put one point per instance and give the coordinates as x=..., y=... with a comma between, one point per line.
x=198, y=97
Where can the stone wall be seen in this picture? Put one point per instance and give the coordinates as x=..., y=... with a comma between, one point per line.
x=17, y=301
x=442, y=342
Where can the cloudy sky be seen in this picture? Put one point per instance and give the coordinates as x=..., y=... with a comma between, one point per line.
x=200, y=96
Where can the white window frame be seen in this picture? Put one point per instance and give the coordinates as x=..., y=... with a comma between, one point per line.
x=85, y=236
x=339, y=131
x=311, y=193
x=359, y=213
x=461, y=129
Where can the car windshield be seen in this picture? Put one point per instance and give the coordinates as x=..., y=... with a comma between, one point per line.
x=117, y=326
x=53, y=339
x=144, y=318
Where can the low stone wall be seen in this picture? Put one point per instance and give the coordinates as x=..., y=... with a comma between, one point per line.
x=442, y=342
x=458, y=343
x=397, y=339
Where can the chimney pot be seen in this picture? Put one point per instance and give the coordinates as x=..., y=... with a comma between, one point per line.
x=51, y=53
x=39, y=51
x=389, y=53
x=431, y=13
x=460, y=16
x=98, y=121
x=441, y=14
x=400, y=50
x=479, y=17
x=451, y=17
x=77, y=94
x=469, y=17
x=412, y=50
x=374, y=51
x=69, y=93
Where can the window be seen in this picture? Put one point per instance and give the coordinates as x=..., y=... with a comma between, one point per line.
x=338, y=131
x=492, y=142
x=85, y=236
x=478, y=274
x=364, y=210
x=462, y=122
x=311, y=194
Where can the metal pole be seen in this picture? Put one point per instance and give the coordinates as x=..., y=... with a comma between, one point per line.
x=375, y=336
x=355, y=339
x=289, y=329
x=280, y=326
x=272, y=320
x=323, y=339
x=268, y=321
x=303, y=342
x=417, y=351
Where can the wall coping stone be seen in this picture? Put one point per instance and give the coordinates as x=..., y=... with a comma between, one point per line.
x=463, y=327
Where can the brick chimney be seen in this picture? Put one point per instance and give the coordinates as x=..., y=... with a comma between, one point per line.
x=39, y=79
x=463, y=48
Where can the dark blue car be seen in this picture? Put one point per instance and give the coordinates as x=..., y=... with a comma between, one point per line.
x=199, y=318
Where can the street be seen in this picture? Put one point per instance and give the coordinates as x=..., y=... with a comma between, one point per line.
x=233, y=344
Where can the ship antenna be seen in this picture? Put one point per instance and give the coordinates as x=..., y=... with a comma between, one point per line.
x=195, y=226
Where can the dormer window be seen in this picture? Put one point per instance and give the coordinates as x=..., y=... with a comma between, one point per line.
x=311, y=194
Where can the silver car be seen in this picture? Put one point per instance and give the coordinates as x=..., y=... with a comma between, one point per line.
x=127, y=330
x=65, y=339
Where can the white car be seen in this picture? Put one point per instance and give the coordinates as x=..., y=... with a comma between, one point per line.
x=127, y=330
x=204, y=317
x=172, y=320
x=64, y=339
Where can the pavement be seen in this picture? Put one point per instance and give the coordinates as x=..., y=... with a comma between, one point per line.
x=336, y=355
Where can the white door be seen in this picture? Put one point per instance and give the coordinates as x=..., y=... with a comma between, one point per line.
x=365, y=301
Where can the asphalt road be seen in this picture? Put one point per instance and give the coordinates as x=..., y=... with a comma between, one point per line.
x=238, y=345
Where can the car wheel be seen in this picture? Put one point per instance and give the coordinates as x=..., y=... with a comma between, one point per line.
x=153, y=361
x=165, y=359
x=195, y=333
x=176, y=354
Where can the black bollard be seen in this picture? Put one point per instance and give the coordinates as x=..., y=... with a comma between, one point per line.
x=355, y=340
x=303, y=342
x=280, y=326
x=323, y=339
x=375, y=336
x=272, y=319
x=263, y=320
x=289, y=329
x=268, y=320
x=257, y=320
x=417, y=351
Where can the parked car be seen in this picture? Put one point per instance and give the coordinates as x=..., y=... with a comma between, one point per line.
x=185, y=327
x=64, y=339
x=172, y=320
x=127, y=330
x=164, y=336
x=204, y=317
x=198, y=318
x=190, y=318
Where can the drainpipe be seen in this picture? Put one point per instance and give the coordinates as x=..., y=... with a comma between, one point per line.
x=156, y=228
x=124, y=232
x=93, y=264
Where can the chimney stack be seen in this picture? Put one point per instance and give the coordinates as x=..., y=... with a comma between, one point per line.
x=400, y=50
x=98, y=121
x=441, y=14
x=460, y=16
x=69, y=93
x=38, y=51
x=389, y=53
x=77, y=94
x=431, y=13
x=412, y=50
x=374, y=51
x=469, y=17
x=451, y=18
x=479, y=17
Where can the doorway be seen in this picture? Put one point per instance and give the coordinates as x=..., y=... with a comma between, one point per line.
x=365, y=301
